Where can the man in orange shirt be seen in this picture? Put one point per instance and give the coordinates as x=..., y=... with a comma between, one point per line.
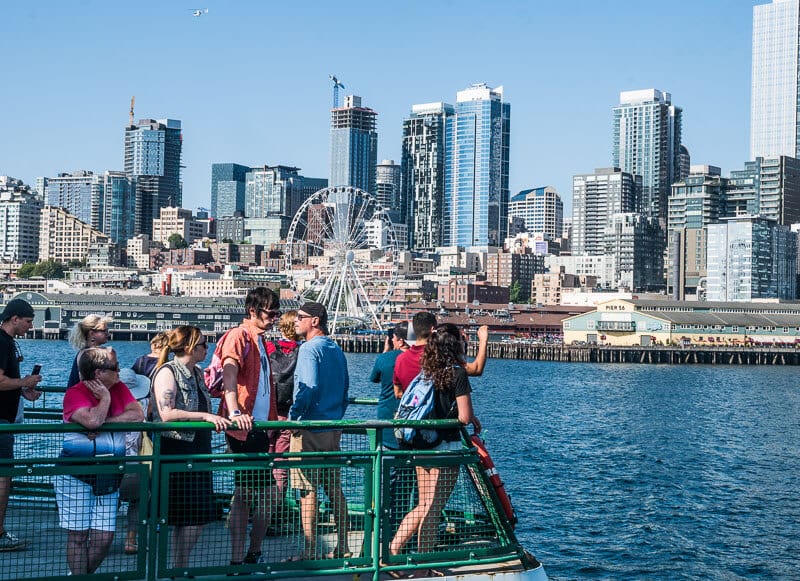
x=249, y=396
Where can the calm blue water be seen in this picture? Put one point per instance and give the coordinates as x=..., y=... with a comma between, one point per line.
x=623, y=471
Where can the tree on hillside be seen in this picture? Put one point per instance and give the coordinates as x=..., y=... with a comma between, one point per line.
x=26, y=270
x=46, y=269
x=177, y=241
x=515, y=290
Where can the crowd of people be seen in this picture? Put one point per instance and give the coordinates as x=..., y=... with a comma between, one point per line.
x=302, y=376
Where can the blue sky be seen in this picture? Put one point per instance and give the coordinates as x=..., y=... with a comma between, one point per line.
x=249, y=80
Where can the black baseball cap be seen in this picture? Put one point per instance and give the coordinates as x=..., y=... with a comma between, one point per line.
x=316, y=310
x=16, y=308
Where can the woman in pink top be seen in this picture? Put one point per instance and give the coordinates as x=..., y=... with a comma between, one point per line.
x=87, y=504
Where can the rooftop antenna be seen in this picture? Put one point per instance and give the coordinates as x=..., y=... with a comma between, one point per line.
x=130, y=118
x=336, y=86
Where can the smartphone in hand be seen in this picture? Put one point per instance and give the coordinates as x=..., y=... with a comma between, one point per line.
x=37, y=369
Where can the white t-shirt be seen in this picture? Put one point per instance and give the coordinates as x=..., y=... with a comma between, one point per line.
x=261, y=406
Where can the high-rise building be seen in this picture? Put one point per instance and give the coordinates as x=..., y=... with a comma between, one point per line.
x=751, y=258
x=633, y=242
x=423, y=173
x=64, y=238
x=476, y=168
x=540, y=208
x=387, y=186
x=228, y=189
x=153, y=162
x=510, y=268
x=354, y=145
x=173, y=220
x=79, y=193
x=685, y=164
x=41, y=187
x=696, y=201
x=595, y=198
x=277, y=191
x=20, y=210
x=767, y=187
x=647, y=142
x=774, y=127
x=118, y=207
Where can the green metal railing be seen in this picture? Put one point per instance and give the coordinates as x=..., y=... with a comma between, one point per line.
x=379, y=487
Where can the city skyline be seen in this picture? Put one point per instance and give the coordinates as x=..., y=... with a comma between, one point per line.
x=555, y=63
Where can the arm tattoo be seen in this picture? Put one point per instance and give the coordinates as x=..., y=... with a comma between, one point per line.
x=168, y=399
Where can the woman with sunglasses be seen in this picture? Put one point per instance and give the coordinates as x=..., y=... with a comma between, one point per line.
x=87, y=503
x=181, y=395
x=91, y=331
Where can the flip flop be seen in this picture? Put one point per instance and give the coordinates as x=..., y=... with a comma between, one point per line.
x=131, y=548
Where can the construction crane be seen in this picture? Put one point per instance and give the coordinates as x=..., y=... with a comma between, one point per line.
x=336, y=86
x=130, y=118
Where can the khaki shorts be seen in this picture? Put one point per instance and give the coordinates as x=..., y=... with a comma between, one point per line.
x=312, y=478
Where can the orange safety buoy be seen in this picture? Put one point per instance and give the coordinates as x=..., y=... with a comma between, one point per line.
x=494, y=477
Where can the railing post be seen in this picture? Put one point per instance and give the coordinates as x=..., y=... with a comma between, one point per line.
x=377, y=475
x=153, y=524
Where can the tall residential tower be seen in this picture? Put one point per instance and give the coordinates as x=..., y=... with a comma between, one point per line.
x=354, y=145
x=476, y=168
x=153, y=162
x=423, y=173
x=647, y=142
x=774, y=127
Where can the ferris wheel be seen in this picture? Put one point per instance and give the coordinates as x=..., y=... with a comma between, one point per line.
x=349, y=239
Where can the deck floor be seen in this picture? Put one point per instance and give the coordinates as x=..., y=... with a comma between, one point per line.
x=45, y=556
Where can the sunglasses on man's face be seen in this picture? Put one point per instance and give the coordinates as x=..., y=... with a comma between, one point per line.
x=301, y=316
x=270, y=313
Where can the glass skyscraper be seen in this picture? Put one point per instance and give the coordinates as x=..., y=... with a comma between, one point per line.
x=153, y=162
x=476, y=168
x=774, y=127
x=78, y=193
x=423, y=172
x=277, y=192
x=119, y=207
x=647, y=142
x=751, y=258
x=228, y=189
x=354, y=145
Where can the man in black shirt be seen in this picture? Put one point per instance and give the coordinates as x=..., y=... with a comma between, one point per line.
x=16, y=320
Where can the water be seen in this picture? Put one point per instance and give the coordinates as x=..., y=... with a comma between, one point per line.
x=625, y=471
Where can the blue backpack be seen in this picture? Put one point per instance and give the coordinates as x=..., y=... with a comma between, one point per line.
x=417, y=404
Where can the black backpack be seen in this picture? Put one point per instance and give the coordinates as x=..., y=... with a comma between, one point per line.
x=282, y=365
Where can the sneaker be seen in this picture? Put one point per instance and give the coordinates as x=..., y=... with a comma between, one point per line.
x=9, y=542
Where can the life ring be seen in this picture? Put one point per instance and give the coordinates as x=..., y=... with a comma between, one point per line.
x=494, y=477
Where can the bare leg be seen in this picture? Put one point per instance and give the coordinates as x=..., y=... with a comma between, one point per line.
x=266, y=501
x=308, y=516
x=445, y=482
x=77, y=552
x=97, y=549
x=183, y=541
x=332, y=485
x=5, y=491
x=427, y=483
x=131, y=539
x=240, y=511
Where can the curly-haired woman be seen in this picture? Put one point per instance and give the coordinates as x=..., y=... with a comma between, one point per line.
x=443, y=362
